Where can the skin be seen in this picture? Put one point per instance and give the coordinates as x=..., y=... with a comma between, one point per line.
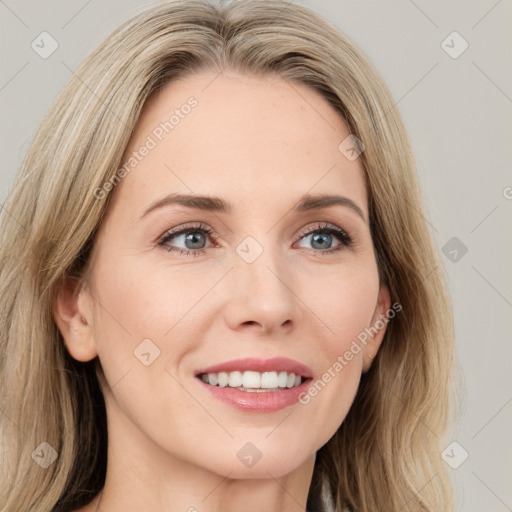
x=260, y=144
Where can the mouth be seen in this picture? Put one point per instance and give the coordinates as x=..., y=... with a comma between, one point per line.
x=257, y=385
x=253, y=381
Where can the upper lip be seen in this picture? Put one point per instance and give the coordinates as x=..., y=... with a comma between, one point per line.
x=278, y=364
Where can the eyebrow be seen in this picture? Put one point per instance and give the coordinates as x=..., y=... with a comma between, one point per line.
x=215, y=204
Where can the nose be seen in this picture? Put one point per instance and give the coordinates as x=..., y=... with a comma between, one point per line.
x=261, y=295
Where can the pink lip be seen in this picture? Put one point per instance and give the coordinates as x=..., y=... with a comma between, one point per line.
x=279, y=364
x=266, y=401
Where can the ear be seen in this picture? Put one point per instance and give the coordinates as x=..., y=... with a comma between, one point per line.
x=377, y=328
x=72, y=311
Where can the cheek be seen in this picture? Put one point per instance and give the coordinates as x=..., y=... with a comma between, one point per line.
x=344, y=301
x=143, y=326
x=139, y=301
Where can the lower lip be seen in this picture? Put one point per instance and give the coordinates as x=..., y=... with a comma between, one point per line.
x=263, y=401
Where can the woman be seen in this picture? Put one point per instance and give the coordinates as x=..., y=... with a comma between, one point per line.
x=218, y=287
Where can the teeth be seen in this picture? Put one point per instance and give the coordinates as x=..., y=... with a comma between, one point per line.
x=223, y=379
x=235, y=379
x=250, y=380
x=269, y=380
x=282, y=379
x=253, y=381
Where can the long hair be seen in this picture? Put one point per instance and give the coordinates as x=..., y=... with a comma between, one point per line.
x=386, y=455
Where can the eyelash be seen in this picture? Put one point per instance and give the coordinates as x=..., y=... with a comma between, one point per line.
x=346, y=240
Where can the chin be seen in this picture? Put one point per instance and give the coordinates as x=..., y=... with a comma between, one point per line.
x=276, y=464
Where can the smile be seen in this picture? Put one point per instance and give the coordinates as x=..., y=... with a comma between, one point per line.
x=252, y=381
x=256, y=385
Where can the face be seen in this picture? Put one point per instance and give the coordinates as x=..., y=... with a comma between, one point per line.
x=261, y=272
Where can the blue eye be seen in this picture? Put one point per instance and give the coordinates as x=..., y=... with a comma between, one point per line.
x=194, y=238
x=322, y=236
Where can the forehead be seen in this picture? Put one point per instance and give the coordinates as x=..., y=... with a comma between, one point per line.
x=250, y=139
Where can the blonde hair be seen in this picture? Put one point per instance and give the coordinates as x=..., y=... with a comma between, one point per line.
x=386, y=455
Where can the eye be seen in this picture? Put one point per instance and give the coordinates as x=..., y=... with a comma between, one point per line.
x=193, y=237
x=322, y=237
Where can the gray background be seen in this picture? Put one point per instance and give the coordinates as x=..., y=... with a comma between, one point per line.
x=458, y=115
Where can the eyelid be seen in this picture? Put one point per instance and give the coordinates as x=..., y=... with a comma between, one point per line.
x=322, y=226
x=185, y=228
x=346, y=240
